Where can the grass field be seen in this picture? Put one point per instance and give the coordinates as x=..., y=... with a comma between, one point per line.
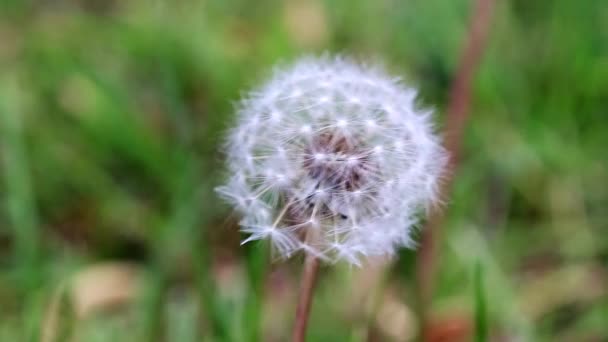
x=112, y=115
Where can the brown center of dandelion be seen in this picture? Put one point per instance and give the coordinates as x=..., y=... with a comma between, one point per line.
x=336, y=162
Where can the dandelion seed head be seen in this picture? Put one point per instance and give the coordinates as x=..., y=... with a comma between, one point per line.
x=336, y=148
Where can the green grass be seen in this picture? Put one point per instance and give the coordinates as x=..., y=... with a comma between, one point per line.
x=111, y=121
x=481, y=319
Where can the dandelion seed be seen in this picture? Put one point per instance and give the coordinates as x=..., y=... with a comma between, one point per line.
x=337, y=148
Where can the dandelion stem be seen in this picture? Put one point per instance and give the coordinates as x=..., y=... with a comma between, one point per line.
x=308, y=281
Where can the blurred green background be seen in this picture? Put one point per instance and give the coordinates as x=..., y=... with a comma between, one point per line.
x=111, y=120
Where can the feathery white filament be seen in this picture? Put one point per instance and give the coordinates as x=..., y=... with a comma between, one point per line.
x=333, y=158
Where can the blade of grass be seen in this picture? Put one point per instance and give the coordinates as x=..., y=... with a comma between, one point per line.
x=481, y=324
x=154, y=305
x=257, y=261
x=494, y=277
x=21, y=207
x=19, y=194
x=184, y=228
x=211, y=306
x=189, y=189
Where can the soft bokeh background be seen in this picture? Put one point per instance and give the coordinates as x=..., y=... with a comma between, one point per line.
x=111, y=119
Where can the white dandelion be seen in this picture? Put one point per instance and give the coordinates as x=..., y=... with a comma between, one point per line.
x=333, y=158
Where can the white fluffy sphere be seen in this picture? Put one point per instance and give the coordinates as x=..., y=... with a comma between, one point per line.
x=333, y=158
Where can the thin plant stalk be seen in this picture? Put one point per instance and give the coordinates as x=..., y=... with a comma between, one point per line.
x=305, y=297
x=457, y=118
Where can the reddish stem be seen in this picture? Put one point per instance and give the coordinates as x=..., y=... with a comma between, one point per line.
x=457, y=117
x=308, y=281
